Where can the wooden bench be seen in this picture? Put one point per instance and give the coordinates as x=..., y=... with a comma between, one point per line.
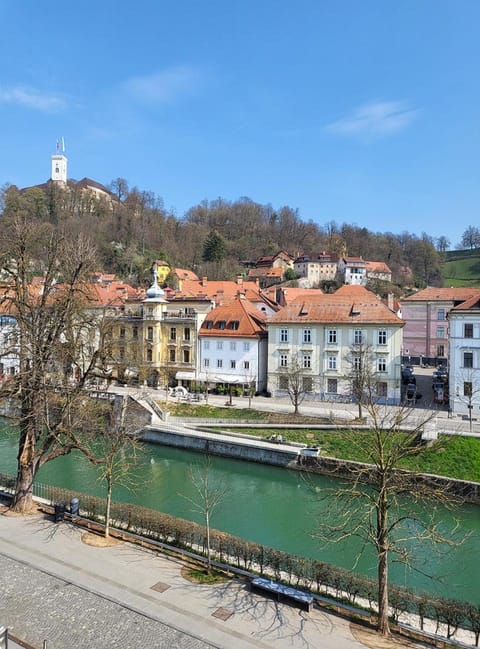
x=281, y=592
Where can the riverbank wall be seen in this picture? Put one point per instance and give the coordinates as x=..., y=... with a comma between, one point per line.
x=253, y=449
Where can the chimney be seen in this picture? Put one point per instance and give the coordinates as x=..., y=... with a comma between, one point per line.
x=204, y=281
x=390, y=301
x=239, y=280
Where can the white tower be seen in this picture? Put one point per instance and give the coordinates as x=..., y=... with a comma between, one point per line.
x=59, y=165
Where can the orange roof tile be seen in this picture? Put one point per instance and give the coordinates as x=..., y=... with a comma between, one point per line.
x=452, y=294
x=239, y=318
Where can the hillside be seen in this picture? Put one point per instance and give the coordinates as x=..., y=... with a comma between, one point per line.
x=461, y=268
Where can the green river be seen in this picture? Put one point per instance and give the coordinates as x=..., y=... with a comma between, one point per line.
x=269, y=505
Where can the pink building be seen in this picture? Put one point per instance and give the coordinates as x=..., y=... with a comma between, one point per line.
x=425, y=336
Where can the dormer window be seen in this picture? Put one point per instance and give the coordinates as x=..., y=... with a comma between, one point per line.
x=209, y=324
x=222, y=324
x=234, y=324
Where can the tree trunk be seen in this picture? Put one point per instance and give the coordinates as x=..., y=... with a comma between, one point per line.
x=108, y=507
x=383, y=625
x=23, y=498
x=209, y=559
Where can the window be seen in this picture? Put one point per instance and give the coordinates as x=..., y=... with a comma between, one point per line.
x=382, y=337
x=206, y=362
x=186, y=356
x=209, y=324
x=283, y=382
x=441, y=314
x=233, y=346
x=149, y=355
x=440, y=350
x=122, y=332
x=135, y=333
x=219, y=344
x=233, y=364
x=246, y=365
x=122, y=352
x=173, y=333
x=171, y=356
x=307, y=384
x=467, y=389
x=468, y=330
x=283, y=360
x=357, y=363
x=150, y=333
x=307, y=361
x=468, y=359
x=332, y=386
x=381, y=389
x=381, y=365
x=284, y=335
x=332, y=336
x=332, y=362
x=186, y=333
x=307, y=335
x=222, y=324
x=219, y=362
x=440, y=332
x=234, y=324
x=246, y=347
x=357, y=337
x=206, y=344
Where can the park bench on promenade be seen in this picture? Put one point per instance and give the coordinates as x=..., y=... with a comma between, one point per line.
x=281, y=592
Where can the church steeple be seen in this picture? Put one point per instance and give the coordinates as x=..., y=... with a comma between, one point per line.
x=59, y=164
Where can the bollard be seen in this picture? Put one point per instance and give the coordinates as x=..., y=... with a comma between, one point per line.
x=59, y=509
x=3, y=637
x=75, y=507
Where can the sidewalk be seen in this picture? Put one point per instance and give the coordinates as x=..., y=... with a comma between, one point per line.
x=57, y=588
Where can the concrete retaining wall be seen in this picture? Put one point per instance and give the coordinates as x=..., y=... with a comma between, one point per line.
x=239, y=449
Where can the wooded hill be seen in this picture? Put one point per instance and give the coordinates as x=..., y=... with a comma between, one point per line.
x=132, y=228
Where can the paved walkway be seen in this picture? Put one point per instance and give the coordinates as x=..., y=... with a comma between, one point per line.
x=57, y=588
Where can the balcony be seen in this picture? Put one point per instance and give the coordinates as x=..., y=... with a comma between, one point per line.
x=179, y=316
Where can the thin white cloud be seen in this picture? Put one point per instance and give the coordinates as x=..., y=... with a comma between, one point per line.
x=32, y=98
x=165, y=86
x=375, y=119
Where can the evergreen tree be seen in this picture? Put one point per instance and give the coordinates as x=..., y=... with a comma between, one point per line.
x=214, y=247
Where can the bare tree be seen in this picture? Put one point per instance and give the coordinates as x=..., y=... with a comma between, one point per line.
x=115, y=449
x=371, y=506
x=45, y=270
x=296, y=380
x=361, y=374
x=208, y=494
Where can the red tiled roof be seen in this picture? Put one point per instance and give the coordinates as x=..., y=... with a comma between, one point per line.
x=452, y=294
x=347, y=306
x=377, y=267
x=239, y=318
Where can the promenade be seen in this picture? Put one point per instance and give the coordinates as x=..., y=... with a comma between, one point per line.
x=57, y=588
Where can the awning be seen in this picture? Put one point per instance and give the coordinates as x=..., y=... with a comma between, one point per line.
x=209, y=377
x=185, y=376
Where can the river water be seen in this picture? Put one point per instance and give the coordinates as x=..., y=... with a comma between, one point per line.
x=269, y=505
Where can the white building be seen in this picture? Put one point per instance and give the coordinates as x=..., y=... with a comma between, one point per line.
x=353, y=270
x=316, y=268
x=327, y=334
x=464, y=357
x=233, y=346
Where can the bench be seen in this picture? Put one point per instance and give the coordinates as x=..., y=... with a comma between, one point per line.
x=281, y=592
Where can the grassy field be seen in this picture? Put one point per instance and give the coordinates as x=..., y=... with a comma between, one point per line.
x=455, y=457
x=462, y=268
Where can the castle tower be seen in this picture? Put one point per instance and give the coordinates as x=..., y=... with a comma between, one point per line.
x=59, y=164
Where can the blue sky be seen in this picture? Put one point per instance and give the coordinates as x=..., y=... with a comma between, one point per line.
x=358, y=111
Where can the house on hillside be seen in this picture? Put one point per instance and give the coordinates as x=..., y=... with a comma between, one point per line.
x=378, y=270
x=326, y=334
x=426, y=333
x=464, y=357
x=353, y=270
x=316, y=268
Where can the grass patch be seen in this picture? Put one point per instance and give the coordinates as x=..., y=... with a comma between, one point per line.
x=202, y=576
x=455, y=457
